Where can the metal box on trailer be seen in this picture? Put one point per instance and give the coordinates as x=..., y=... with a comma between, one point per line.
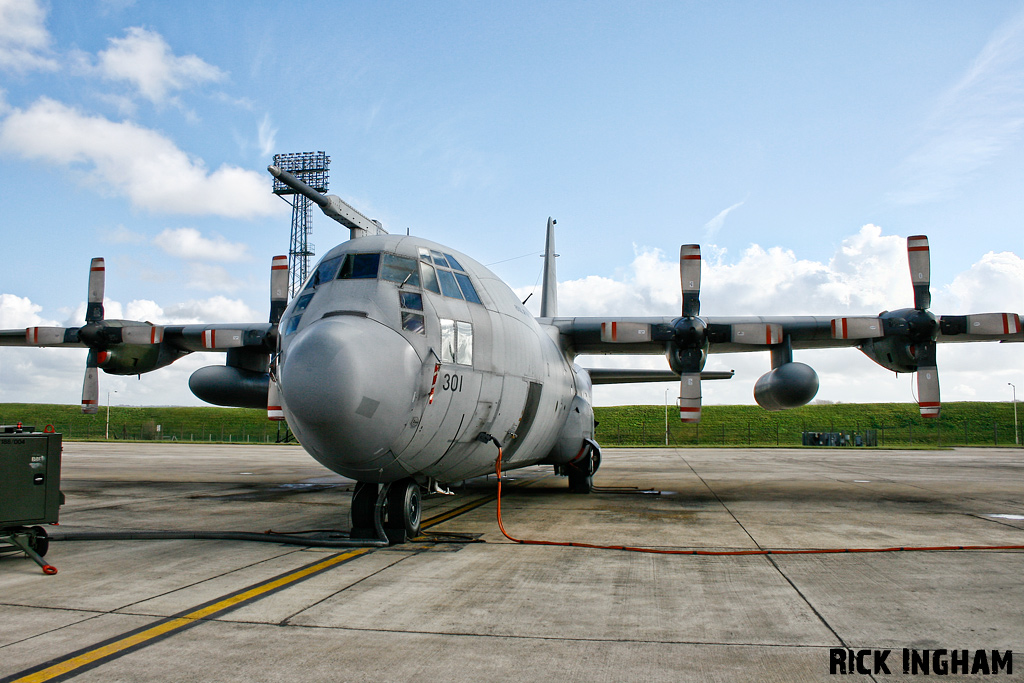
x=29, y=476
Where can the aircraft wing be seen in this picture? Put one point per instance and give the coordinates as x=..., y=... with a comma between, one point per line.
x=738, y=334
x=903, y=340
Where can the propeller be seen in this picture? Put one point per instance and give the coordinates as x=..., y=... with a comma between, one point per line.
x=689, y=335
x=278, y=304
x=907, y=337
x=102, y=336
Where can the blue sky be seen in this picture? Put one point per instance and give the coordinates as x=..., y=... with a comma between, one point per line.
x=798, y=142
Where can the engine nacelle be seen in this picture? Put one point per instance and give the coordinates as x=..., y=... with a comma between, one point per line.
x=790, y=385
x=225, y=385
x=129, y=359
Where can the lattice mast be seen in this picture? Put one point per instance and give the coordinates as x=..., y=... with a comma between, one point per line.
x=312, y=169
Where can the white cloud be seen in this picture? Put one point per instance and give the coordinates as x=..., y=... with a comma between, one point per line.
x=994, y=284
x=267, y=136
x=974, y=121
x=712, y=227
x=144, y=59
x=867, y=274
x=121, y=235
x=216, y=309
x=189, y=244
x=24, y=40
x=211, y=278
x=134, y=161
x=17, y=311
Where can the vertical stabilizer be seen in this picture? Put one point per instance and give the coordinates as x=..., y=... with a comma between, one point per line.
x=549, y=293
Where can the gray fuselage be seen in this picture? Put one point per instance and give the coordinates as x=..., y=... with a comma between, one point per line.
x=399, y=352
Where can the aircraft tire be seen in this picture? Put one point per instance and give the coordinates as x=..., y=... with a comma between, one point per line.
x=405, y=507
x=364, y=503
x=580, y=483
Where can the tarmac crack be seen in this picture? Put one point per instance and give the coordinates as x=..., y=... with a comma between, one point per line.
x=769, y=558
x=286, y=621
x=578, y=639
x=121, y=610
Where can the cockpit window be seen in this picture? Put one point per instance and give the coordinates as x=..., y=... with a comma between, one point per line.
x=448, y=285
x=453, y=263
x=324, y=272
x=467, y=287
x=400, y=269
x=439, y=259
x=429, y=278
x=359, y=267
x=411, y=300
x=302, y=302
x=443, y=272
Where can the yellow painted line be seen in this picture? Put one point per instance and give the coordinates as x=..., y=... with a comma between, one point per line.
x=69, y=665
x=445, y=516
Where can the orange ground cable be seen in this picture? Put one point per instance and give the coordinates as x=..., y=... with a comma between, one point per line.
x=663, y=551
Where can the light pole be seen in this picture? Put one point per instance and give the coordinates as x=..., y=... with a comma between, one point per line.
x=1016, y=437
x=107, y=433
x=666, y=418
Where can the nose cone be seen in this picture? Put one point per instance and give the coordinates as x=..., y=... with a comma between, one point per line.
x=348, y=386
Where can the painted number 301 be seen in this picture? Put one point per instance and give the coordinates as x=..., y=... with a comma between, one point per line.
x=452, y=383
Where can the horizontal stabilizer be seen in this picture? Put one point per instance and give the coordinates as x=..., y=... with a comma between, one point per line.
x=637, y=376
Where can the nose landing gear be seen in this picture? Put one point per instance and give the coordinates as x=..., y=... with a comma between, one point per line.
x=396, y=510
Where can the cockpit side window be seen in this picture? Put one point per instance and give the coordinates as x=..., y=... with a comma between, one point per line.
x=359, y=267
x=301, y=303
x=456, y=342
x=324, y=272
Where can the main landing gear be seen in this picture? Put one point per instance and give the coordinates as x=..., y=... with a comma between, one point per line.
x=581, y=470
x=394, y=509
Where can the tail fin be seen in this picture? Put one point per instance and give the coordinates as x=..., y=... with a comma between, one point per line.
x=549, y=293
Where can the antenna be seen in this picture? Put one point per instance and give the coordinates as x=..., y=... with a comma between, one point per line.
x=312, y=169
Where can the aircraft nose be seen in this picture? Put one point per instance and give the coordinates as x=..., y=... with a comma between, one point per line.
x=348, y=385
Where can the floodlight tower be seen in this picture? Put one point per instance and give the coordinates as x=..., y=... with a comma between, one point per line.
x=312, y=169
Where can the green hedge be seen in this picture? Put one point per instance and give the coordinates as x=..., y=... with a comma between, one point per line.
x=894, y=424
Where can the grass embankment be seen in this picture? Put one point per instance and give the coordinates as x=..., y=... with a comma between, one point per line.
x=891, y=424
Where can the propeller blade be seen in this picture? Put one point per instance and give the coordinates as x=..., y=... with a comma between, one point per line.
x=689, y=397
x=928, y=381
x=857, y=328
x=274, y=411
x=91, y=391
x=45, y=336
x=920, y=270
x=222, y=339
x=689, y=277
x=142, y=334
x=756, y=333
x=993, y=323
x=278, y=288
x=625, y=332
x=94, y=311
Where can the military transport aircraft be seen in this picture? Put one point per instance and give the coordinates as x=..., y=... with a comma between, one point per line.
x=401, y=361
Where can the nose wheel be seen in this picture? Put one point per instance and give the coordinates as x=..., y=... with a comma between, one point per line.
x=397, y=509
